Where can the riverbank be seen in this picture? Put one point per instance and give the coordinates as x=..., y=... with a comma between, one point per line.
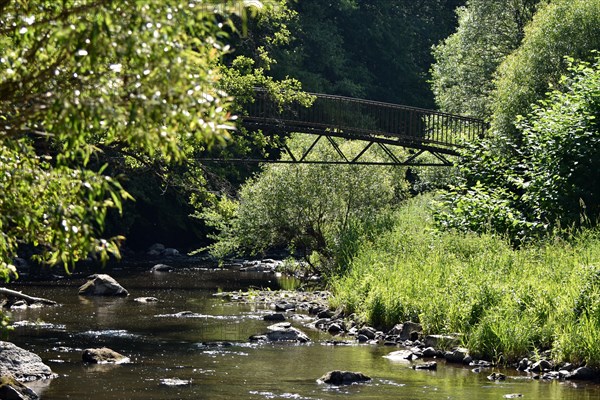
x=506, y=304
x=422, y=351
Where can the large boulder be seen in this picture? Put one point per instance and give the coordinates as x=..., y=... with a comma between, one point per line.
x=23, y=365
x=343, y=378
x=102, y=285
x=584, y=374
x=103, y=355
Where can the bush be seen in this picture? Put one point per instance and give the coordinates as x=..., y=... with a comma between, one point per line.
x=547, y=180
x=319, y=210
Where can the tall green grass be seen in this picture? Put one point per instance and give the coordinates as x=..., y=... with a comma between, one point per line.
x=506, y=303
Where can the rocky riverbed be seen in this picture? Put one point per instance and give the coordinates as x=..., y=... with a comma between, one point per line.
x=421, y=349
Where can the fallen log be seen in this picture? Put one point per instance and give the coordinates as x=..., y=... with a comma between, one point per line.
x=29, y=299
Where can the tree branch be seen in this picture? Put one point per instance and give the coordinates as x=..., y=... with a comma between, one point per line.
x=29, y=299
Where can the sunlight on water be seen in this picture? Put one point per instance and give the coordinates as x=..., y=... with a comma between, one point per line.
x=193, y=345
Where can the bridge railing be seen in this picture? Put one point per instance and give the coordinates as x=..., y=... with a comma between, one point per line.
x=358, y=118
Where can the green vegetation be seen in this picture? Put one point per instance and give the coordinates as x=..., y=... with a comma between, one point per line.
x=81, y=80
x=559, y=29
x=466, y=61
x=542, y=183
x=320, y=211
x=91, y=91
x=380, y=49
x=506, y=303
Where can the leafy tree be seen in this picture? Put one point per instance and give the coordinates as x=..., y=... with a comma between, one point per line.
x=320, y=211
x=82, y=77
x=466, y=61
x=166, y=193
x=549, y=179
x=377, y=49
x=562, y=149
x=559, y=28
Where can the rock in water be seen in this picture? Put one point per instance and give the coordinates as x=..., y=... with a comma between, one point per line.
x=102, y=285
x=584, y=374
x=11, y=389
x=343, y=378
x=103, y=355
x=24, y=365
x=161, y=268
x=287, y=334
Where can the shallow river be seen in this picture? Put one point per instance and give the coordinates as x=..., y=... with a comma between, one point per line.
x=162, y=346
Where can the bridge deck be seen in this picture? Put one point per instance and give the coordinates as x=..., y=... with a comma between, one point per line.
x=371, y=121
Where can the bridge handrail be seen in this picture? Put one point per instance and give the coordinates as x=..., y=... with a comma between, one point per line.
x=367, y=117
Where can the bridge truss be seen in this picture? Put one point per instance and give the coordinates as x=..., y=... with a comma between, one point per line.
x=376, y=124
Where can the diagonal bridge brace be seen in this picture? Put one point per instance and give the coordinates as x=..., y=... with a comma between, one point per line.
x=394, y=160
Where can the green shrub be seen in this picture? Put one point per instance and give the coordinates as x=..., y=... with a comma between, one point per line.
x=546, y=181
x=321, y=211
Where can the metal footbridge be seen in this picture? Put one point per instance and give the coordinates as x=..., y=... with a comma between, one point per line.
x=375, y=124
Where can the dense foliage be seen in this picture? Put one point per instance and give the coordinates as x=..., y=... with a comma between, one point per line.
x=506, y=303
x=82, y=77
x=467, y=60
x=548, y=179
x=377, y=49
x=319, y=210
x=559, y=29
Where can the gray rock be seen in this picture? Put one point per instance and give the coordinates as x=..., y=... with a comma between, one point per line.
x=325, y=314
x=541, y=366
x=103, y=355
x=429, y=352
x=567, y=367
x=11, y=389
x=23, y=365
x=343, y=378
x=458, y=355
x=146, y=300
x=367, y=331
x=334, y=329
x=496, y=376
x=161, y=268
x=322, y=323
x=407, y=331
x=523, y=364
x=258, y=338
x=430, y=366
x=401, y=355
x=362, y=338
x=102, y=285
x=284, y=332
x=583, y=374
x=284, y=306
x=170, y=252
x=276, y=317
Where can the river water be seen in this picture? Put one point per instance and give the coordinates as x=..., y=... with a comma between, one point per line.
x=162, y=346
